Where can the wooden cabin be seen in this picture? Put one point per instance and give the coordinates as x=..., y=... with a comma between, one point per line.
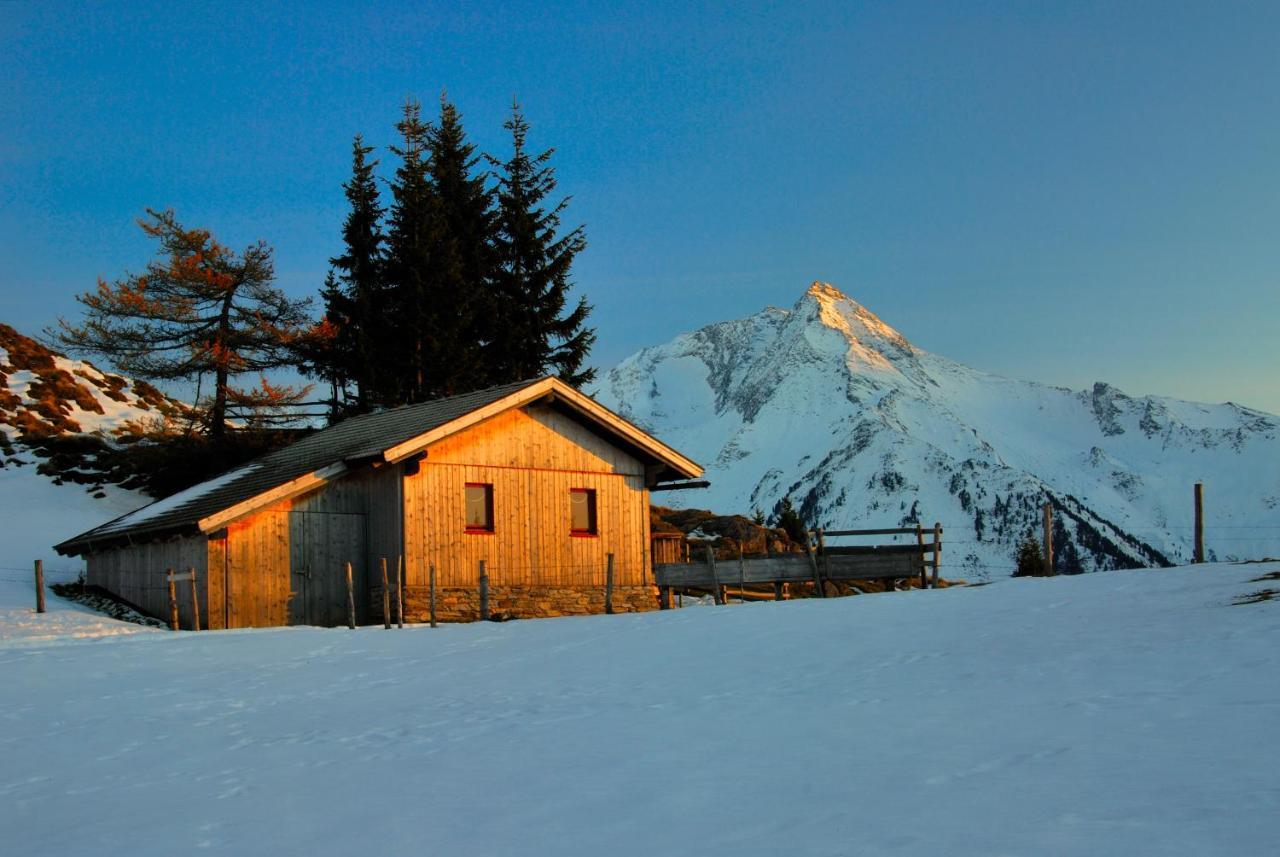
x=535, y=479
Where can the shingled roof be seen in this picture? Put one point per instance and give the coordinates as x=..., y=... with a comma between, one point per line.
x=355, y=440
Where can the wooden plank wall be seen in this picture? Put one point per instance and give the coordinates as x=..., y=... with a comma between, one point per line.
x=532, y=457
x=136, y=573
x=258, y=558
x=374, y=493
x=256, y=562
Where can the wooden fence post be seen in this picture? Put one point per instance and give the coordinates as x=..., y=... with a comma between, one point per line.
x=717, y=594
x=173, y=602
x=39, y=586
x=824, y=562
x=351, y=600
x=924, y=570
x=1048, y=540
x=431, y=593
x=777, y=590
x=742, y=576
x=608, y=585
x=386, y=595
x=937, y=551
x=1199, y=497
x=400, y=591
x=819, y=589
x=195, y=603
x=484, y=593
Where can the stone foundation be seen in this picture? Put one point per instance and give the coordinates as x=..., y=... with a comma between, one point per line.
x=457, y=604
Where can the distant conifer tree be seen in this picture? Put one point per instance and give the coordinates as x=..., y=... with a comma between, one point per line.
x=533, y=333
x=1029, y=557
x=786, y=518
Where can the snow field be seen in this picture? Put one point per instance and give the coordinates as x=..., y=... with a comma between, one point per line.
x=1124, y=713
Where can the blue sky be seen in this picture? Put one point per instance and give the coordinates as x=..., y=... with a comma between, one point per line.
x=1063, y=192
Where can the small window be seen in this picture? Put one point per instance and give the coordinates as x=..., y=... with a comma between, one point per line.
x=479, y=508
x=582, y=511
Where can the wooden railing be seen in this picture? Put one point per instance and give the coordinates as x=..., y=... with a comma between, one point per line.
x=819, y=564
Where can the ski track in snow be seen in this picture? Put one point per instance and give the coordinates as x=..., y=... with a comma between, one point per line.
x=1126, y=713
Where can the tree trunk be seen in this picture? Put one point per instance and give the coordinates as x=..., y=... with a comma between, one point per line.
x=218, y=415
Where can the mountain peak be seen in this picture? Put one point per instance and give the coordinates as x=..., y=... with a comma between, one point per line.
x=838, y=311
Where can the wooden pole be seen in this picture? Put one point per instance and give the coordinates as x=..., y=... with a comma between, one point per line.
x=742, y=575
x=431, y=593
x=386, y=595
x=1048, y=540
x=40, y=586
x=924, y=574
x=351, y=600
x=777, y=590
x=826, y=565
x=608, y=585
x=173, y=602
x=195, y=603
x=813, y=566
x=484, y=593
x=717, y=594
x=1199, y=496
x=400, y=591
x=937, y=551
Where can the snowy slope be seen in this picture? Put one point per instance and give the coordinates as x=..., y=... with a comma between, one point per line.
x=826, y=404
x=1131, y=713
x=45, y=395
x=36, y=514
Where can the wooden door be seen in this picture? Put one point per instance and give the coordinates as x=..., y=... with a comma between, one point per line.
x=320, y=546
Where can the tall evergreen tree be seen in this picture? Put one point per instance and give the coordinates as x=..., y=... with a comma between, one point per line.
x=411, y=228
x=348, y=348
x=461, y=275
x=361, y=339
x=531, y=282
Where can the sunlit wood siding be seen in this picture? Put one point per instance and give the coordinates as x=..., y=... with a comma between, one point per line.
x=532, y=457
x=258, y=555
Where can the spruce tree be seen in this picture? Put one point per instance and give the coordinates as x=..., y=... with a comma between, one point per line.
x=462, y=269
x=531, y=283
x=1029, y=558
x=413, y=320
x=358, y=308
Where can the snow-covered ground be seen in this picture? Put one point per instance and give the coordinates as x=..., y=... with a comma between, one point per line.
x=36, y=514
x=1127, y=713
x=64, y=620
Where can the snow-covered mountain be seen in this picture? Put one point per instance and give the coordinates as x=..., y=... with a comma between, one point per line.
x=829, y=406
x=53, y=411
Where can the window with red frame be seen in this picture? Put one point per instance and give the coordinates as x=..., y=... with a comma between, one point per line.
x=582, y=511
x=479, y=498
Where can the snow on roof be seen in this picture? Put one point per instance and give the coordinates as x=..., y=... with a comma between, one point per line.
x=175, y=502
